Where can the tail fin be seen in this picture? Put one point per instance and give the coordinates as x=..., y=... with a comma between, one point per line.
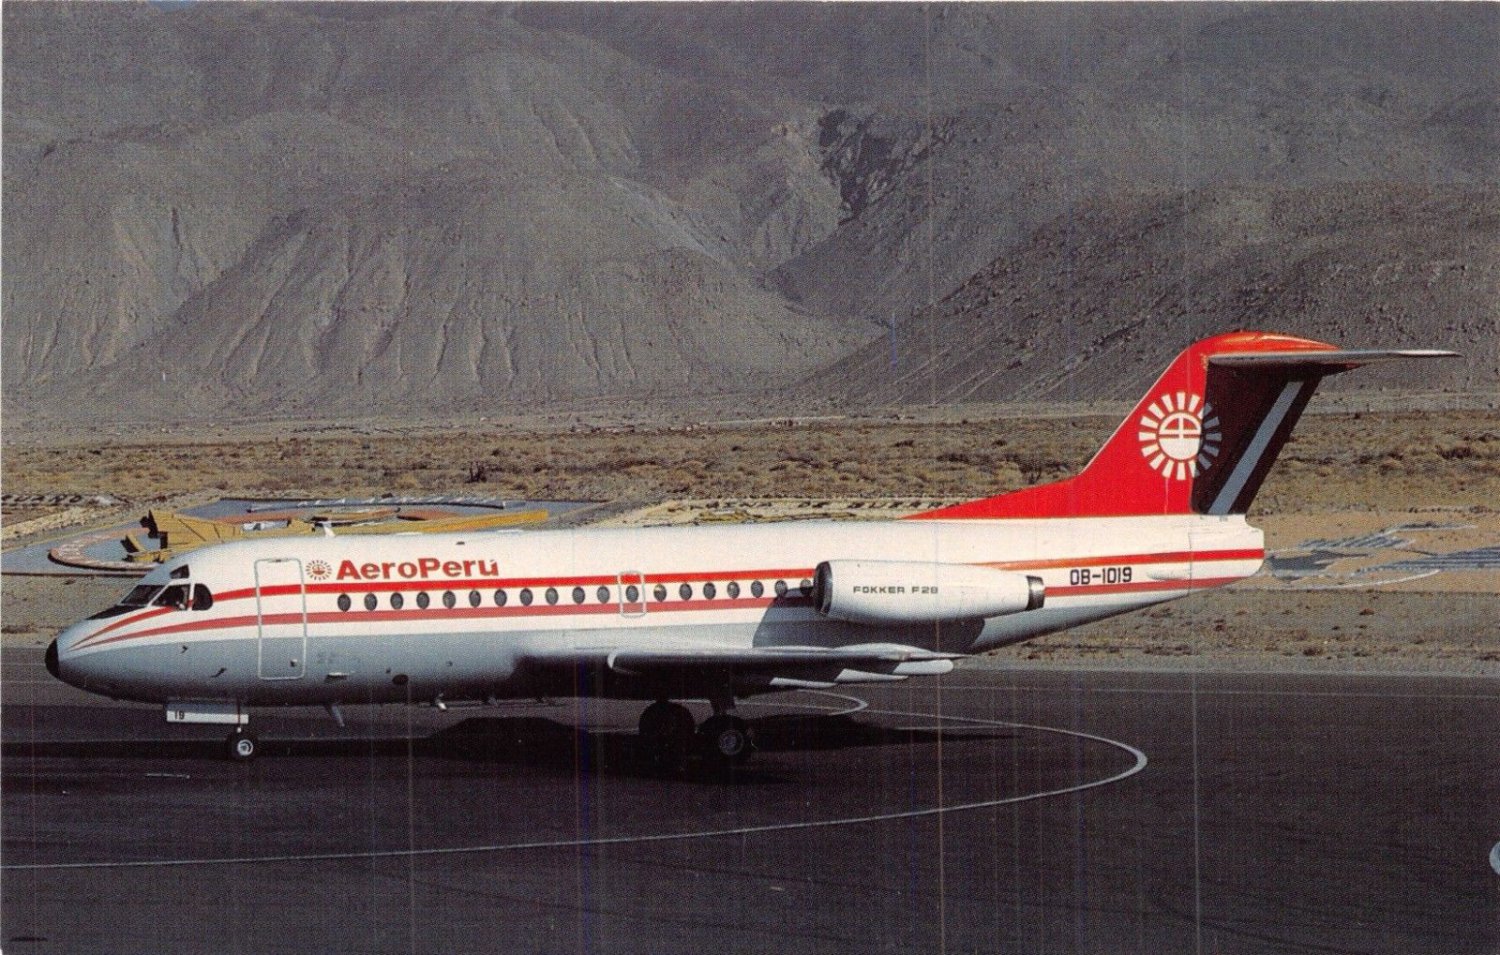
x=1200, y=441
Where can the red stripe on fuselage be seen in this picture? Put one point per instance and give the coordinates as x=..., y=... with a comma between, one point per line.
x=1173, y=557
x=537, y=583
x=678, y=577
x=492, y=583
x=540, y=584
x=431, y=615
x=561, y=610
x=1155, y=585
x=147, y=614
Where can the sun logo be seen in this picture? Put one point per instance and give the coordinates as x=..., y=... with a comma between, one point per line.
x=1179, y=435
x=319, y=570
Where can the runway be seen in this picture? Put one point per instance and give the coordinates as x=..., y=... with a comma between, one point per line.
x=994, y=810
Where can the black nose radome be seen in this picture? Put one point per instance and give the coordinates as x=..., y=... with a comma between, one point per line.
x=52, y=659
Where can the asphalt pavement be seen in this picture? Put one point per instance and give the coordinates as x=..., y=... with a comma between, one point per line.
x=989, y=811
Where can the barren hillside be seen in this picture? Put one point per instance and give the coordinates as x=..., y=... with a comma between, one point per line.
x=1095, y=303
x=331, y=209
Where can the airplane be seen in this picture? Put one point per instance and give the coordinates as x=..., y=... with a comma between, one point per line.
x=717, y=613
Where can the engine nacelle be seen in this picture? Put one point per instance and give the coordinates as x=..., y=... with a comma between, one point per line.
x=905, y=592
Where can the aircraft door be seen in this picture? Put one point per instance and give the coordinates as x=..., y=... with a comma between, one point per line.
x=280, y=619
x=632, y=593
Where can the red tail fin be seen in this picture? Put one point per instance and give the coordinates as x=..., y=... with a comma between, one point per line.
x=1200, y=441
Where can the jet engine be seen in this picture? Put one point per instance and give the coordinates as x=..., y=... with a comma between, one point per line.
x=905, y=592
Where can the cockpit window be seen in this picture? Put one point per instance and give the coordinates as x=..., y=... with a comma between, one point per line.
x=175, y=596
x=114, y=611
x=140, y=595
x=203, y=598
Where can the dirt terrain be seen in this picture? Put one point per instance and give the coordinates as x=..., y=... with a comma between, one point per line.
x=1334, y=462
x=1351, y=494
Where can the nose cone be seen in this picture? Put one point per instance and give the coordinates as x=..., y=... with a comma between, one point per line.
x=57, y=658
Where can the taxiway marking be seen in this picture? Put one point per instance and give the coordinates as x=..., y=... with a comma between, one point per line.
x=1138, y=756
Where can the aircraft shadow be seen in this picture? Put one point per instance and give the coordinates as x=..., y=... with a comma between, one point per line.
x=793, y=733
x=534, y=742
x=546, y=744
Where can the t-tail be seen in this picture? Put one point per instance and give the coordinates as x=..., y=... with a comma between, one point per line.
x=1202, y=439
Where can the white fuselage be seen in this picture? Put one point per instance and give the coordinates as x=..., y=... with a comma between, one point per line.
x=364, y=619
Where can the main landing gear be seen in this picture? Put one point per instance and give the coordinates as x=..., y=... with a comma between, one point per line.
x=668, y=737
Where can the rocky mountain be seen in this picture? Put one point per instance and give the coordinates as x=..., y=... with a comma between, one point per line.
x=1095, y=303
x=339, y=209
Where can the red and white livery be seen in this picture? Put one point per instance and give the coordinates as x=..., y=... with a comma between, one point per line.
x=717, y=613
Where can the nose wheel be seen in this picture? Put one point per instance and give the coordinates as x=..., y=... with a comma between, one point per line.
x=241, y=746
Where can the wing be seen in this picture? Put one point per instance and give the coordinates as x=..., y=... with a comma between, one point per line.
x=686, y=672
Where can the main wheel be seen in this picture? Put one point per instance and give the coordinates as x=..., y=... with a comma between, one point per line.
x=727, y=740
x=242, y=746
x=666, y=733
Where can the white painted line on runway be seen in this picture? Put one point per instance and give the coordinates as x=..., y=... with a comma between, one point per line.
x=1139, y=757
x=1157, y=691
x=1368, y=584
x=859, y=704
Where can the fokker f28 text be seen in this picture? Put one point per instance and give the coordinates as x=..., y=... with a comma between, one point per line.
x=717, y=613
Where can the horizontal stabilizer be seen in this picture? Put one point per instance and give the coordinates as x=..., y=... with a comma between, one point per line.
x=1324, y=362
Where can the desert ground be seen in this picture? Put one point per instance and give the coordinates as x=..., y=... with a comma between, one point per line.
x=1343, y=476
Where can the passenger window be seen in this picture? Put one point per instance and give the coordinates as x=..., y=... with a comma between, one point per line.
x=781, y=588
x=685, y=591
x=203, y=598
x=525, y=596
x=370, y=601
x=474, y=598
x=709, y=591
x=344, y=602
x=660, y=593
x=578, y=595
x=604, y=595
x=757, y=589
x=733, y=589
x=499, y=598
x=552, y=596
x=805, y=587
x=633, y=594
x=423, y=600
x=398, y=601
x=450, y=599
